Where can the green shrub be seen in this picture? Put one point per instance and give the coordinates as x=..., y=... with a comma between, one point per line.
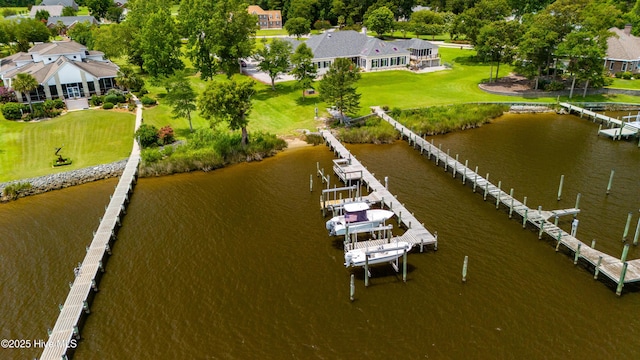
x=12, y=111
x=58, y=104
x=97, y=100
x=554, y=86
x=147, y=135
x=148, y=101
x=108, y=105
x=314, y=139
x=442, y=119
x=12, y=190
x=374, y=130
x=624, y=75
x=165, y=135
x=395, y=112
x=113, y=98
x=150, y=156
x=8, y=12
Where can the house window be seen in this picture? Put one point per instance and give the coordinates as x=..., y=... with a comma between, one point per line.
x=375, y=63
x=611, y=65
x=384, y=62
x=624, y=66
x=54, y=91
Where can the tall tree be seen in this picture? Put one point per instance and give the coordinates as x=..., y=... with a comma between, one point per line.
x=160, y=43
x=228, y=101
x=42, y=15
x=426, y=22
x=303, y=68
x=127, y=79
x=99, y=8
x=82, y=32
x=25, y=83
x=181, y=97
x=69, y=11
x=380, y=20
x=112, y=40
x=298, y=26
x=337, y=87
x=29, y=31
x=498, y=41
x=473, y=19
x=274, y=59
x=219, y=34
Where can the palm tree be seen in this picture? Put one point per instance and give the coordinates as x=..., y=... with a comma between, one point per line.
x=25, y=83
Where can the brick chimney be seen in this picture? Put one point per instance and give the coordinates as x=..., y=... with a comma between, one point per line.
x=627, y=29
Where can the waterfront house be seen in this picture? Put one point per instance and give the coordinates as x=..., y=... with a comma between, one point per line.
x=65, y=3
x=63, y=70
x=623, y=52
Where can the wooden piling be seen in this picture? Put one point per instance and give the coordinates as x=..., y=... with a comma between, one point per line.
x=613, y=171
x=560, y=187
x=446, y=161
x=404, y=266
x=486, y=188
x=464, y=268
x=577, y=203
x=626, y=227
x=310, y=183
x=524, y=218
x=464, y=175
x=635, y=237
x=511, y=206
x=623, y=273
x=475, y=180
x=595, y=274
x=524, y=202
x=625, y=252
x=577, y=254
x=559, y=241
x=352, y=287
x=366, y=270
x=541, y=229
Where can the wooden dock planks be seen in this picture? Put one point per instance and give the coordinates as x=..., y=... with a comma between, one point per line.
x=76, y=303
x=609, y=266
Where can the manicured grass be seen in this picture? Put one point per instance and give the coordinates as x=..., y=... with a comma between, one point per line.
x=271, y=32
x=625, y=84
x=90, y=137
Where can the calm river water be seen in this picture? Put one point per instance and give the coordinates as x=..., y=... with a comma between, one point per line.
x=236, y=264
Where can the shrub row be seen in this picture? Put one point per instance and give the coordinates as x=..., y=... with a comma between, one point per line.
x=442, y=119
x=46, y=109
x=374, y=130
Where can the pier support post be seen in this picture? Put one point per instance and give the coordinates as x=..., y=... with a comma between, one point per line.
x=464, y=268
x=404, y=266
x=595, y=275
x=541, y=229
x=613, y=171
x=560, y=187
x=439, y=153
x=593, y=244
x=559, y=240
x=475, y=180
x=446, y=161
x=100, y=266
x=399, y=217
x=94, y=286
x=626, y=227
x=511, y=206
x=435, y=245
x=310, y=183
x=464, y=175
x=498, y=195
x=524, y=202
x=577, y=254
x=625, y=252
x=555, y=220
x=366, y=270
x=386, y=182
x=574, y=227
x=635, y=237
x=577, y=203
x=352, y=287
x=524, y=218
x=623, y=273
x=85, y=307
x=486, y=188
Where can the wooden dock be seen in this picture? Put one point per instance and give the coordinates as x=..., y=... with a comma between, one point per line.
x=625, y=129
x=66, y=332
x=416, y=233
x=618, y=270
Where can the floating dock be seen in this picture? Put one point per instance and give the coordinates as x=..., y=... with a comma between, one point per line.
x=61, y=342
x=618, y=270
x=625, y=129
x=350, y=170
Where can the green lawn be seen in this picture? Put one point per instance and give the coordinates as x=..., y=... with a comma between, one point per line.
x=90, y=137
x=626, y=84
x=271, y=32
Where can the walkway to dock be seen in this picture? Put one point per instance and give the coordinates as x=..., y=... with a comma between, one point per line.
x=76, y=306
x=618, y=270
x=625, y=128
x=349, y=169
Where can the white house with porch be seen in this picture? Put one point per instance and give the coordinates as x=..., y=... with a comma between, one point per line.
x=370, y=53
x=64, y=69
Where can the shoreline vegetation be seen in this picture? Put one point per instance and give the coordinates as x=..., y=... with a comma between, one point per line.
x=434, y=120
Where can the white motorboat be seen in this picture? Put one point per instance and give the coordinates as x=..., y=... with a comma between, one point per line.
x=376, y=255
x=359, y=217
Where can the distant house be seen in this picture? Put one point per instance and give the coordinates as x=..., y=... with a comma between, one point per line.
x=53, y=10
x=64, y=70
x=370, y=53
x=267, y=19
x=120, y=3
x=70, y=21
x=63, y=3
x=623, y=52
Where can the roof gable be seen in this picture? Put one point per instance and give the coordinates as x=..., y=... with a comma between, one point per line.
x=623, y=46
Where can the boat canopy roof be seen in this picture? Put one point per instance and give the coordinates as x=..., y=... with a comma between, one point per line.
x=358, y=206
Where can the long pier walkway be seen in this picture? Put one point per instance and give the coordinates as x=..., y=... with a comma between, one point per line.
x=618, y=270
x=66, y=332
x=416, y=234
x=626, y=128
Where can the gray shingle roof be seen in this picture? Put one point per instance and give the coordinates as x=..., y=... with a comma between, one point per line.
x=53, y=10
x=416, y=44
x=623, y=46
x=65, y=3
x=337, y=44
x=70, y=20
